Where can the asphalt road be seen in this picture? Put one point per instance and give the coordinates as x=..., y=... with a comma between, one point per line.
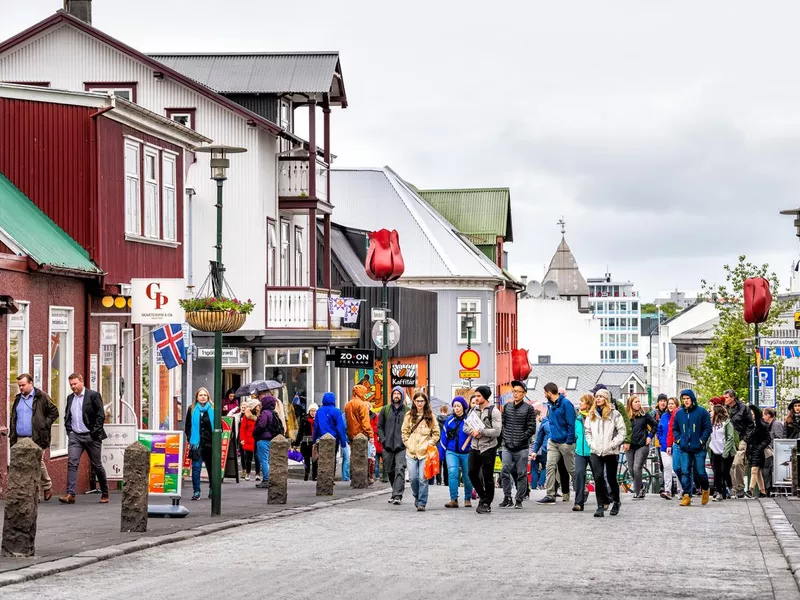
x=653, y=549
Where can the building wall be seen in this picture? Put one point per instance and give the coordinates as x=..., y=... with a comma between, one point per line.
x=506, y=331
x=619, y=311
x=556, y=329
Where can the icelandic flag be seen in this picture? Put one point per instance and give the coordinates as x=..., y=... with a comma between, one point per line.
x=169, y=341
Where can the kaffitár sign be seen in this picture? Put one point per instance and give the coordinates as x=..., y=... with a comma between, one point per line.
x=354, y=358
x=155, y=301
x=404, y=375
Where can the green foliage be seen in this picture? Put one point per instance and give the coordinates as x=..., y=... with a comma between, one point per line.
x=231, y=305
x=670, y=309
x=727, y=357
x=649, y=308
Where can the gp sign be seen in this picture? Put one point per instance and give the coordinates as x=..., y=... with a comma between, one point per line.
x=354, y=358
x=155, y=301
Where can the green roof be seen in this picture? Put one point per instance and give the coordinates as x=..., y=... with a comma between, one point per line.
x=29, y=229
x=483, y=214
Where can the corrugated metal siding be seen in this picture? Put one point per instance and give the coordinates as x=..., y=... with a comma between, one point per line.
x=257, y=73
x=265, y=105
x=473, y=211
x=44, y=151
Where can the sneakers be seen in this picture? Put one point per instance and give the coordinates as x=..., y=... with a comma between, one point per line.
x=391, y=500
x=577, y=508
x=546, y=500
x=639, y=496
x=262, y=484
x=717, y=498
x=615, y=509
x=396, y=501
x=196, y=496
x=704, y=497
x=67, y=499
x=420, y=509
x=518, y=505
x=686, y=500
x=467, y=504
x=258, y=477
x=748, y=494
x=452, y=504
x=565, y=497
x=666, y=495
x=247, y=477
x=483, y=508
x=506, y=503
x=600, y=512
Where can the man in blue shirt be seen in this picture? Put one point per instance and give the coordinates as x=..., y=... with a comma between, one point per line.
x=32, y=416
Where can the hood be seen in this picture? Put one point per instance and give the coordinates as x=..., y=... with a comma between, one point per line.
x=360, y=392
x=690, y=393
x=268, y=402
x=397, y=388
x=329, y=399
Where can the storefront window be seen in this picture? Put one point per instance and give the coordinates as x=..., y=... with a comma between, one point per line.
x=292, y=368
x=144, y=361
x=109, y=339
x=17, y=350
x=61, y=365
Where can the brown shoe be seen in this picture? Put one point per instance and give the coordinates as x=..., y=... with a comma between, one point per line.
x=104, y=499
x=467, y=503
x=452, y=504
x=47, y=495
x=67, y=499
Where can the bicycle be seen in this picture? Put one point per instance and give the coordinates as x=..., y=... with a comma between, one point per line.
x=624, y=477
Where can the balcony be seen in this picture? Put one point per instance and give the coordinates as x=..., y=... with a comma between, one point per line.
x=293, y=178
x=293, y=308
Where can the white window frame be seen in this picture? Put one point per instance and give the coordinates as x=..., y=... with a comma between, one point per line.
x=299, y=252
x=69, y=363
x=532, y=381
x=182, y=115
x=113, y=90
x=285, y=248
x=24, y=355
x=273, y=254
x=169, y=197
x=152, y=208
x=572, y=383
x=463, y=307
x=133, y=202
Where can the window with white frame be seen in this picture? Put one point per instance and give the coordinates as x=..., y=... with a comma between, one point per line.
x=133, y=198
x=285, y=248
x=152, y=227
x=298, y=256
x=572, y=383
x=17, y=357
x=272, y=252
x=469, y=314
x=121, y=91
x=170, y=201
x=61, y=366
x=532, y=383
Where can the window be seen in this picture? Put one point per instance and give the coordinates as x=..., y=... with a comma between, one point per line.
x=632, y=387
x=61, y=365
x=285, y=258
x=532, y=383
x=109, y=342
x=272, y=252
x=152, y=227
x=469, y=334
x=634, y=338
x=572, y=383
x=635, y=354
x=121, y=90
x=298, y=256
x=184, y=116
x=133, y=203
x=634, y=322
x=543, y=359
x=17, y=350
x=623, y=354
x=634, y=306
x=170, y=224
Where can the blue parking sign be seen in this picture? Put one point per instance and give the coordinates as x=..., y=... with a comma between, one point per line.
x=762, y=386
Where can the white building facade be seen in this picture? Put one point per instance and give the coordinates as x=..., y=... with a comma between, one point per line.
x=618, y=307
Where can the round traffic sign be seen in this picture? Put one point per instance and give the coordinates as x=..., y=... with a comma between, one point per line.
x=470, y=359
x=394, y=333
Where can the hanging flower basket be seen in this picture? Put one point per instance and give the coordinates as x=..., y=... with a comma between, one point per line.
x=215, y=320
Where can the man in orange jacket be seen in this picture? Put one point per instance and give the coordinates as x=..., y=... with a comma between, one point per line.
x=356, y=413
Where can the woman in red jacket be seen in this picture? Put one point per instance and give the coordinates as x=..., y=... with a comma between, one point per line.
x=375, y=473
x=250, y=411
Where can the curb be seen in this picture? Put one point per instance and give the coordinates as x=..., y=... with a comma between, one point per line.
x=89, y=557
x=787, y=537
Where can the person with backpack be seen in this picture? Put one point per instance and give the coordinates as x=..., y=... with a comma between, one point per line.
x=455, y=443
x=583, y=452
x=329, y=420
x=420, y=430
x=268, y=426
x=484, y=447
x=722, y=444
x=643, y=430
x=562, y=440
x=519, y=426
x=390, y=433
x=198, y=427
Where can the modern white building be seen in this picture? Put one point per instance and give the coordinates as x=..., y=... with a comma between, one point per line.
x=682, y=299
x=617, y=305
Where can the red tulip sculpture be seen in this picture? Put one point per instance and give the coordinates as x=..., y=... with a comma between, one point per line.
x=384, y=258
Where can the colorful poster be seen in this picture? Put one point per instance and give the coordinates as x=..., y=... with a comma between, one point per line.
x=165, y=460
x=367, y=378
x=227, y=426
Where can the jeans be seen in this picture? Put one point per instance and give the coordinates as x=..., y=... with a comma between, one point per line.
x=481, y=473
x=458, y=463
x=579, y=481
x=395, y=466
x=378, y=458
x=636, y=457
x=419, y=485
x=693, y=464
x=515, y=467
x=346, y=463
x=78, y=444
x=197, y=467
x=554, y=453
x=604, y=471
x=262, y=447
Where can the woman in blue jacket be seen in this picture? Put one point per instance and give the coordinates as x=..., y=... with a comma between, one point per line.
x=456, y=446
x=582, y=451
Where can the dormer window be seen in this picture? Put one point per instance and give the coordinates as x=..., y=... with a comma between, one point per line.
x=184, y=116
x=127, y=90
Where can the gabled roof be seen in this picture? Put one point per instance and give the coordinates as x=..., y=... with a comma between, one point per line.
x=484, y=214
x=371, y=199
x=25, y=229
x=588, y=375
x=309, y=73
x=702, y=334
x=565, y=272
x=343, y=252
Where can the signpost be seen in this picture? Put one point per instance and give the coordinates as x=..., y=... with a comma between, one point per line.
x=469, y=361
x=762, y=386
x=392, y=334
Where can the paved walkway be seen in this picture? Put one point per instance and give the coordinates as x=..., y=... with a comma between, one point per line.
x=66, y=530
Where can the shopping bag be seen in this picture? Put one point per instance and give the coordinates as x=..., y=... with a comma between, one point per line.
x=431, y=462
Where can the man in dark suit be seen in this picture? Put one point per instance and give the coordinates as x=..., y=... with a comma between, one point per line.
x=83, y=420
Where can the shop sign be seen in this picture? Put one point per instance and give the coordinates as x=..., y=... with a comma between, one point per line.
x=59, y=319
x=404, y=375
x=354, y=358
x=226, y=353
x=155, y=301
x=165, y=461
x=17, y=320
x=113, y=457
x=93, y=370
x=38, y=370
x=109, y=334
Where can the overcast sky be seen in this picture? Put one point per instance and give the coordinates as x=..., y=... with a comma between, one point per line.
x=666, y=133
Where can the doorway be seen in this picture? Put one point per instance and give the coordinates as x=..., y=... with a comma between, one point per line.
x=233, y=379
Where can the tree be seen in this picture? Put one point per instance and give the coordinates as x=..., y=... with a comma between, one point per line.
x=670, y=309
x=729, y=354
x=649, y=308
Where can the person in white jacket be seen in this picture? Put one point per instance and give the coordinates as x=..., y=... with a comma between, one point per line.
x=605, y=432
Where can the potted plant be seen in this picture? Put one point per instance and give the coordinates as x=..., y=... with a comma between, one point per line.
x=211, y=313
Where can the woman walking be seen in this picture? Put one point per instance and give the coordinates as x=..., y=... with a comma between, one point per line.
x=605, y=434
x=757, y=443
x=198, y=431
x=722, y=447
x=305, y=433
x=420, y=430
x=666, y=448
x=582, y=451
x=456, y=445
x=643, y=430
x=250, y=412
x=267, y=427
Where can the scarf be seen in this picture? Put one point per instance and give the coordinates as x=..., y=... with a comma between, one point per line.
x=197, y=411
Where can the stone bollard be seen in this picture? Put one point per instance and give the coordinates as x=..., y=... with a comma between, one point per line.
x=326, y=464
x=278, y=470
x=136, y=488
x=22, y=500
x=359, y=465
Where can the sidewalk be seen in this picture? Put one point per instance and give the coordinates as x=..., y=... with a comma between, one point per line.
x=67, y=530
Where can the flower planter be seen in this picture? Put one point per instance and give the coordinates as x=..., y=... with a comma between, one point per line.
x=215, y=320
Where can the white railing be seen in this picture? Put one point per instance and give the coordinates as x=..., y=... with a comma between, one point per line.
x=292, y=309
x=293, y=178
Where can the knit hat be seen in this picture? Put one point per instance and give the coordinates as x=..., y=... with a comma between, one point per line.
x=484, y=391
x=662, y=397
x=313, y=406
x=462, y=401
x=716, y=400
x=603, y=393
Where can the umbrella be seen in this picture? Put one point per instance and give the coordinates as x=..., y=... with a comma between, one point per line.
x=260, y=385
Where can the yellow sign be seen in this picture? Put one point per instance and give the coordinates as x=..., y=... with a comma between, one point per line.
x=469, y=373
x=797, y=320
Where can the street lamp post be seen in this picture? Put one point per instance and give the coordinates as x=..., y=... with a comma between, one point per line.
x=219, y=166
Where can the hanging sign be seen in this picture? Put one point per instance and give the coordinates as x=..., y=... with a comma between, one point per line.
x=93, y=371
x=404, y=375
x=155, y=301
x=353, y=358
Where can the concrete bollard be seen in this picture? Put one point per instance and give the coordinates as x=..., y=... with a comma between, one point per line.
x=278, y=470
x=359, y=465
x=22, y=500
x=326, y=464
x=136, y=487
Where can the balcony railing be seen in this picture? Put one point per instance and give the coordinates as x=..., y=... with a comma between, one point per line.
x=292, y=308
x=293, y=177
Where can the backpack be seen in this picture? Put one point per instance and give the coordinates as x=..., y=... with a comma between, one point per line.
x=277, y=425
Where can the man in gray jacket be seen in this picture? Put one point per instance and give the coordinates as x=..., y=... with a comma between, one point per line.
x=484, y=447
x=390, y=426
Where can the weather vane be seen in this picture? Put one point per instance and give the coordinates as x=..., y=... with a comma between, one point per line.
x=563, y=224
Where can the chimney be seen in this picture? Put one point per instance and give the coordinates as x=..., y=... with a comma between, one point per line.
x=80, y=9
x=524, y=280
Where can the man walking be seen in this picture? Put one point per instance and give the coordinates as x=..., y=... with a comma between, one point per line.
x=390, y=426
x=561, y=443
x=83, y=420
x=519, y=426
x=691, y=429
x=742, y=421
x=484, y=447
x=356, y=413
x=32, y=416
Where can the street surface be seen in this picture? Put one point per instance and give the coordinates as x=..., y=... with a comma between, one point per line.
x=368, y=549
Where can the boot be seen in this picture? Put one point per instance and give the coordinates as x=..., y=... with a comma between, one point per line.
x=686, y=500
x=452, y=504
x=305, y=477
